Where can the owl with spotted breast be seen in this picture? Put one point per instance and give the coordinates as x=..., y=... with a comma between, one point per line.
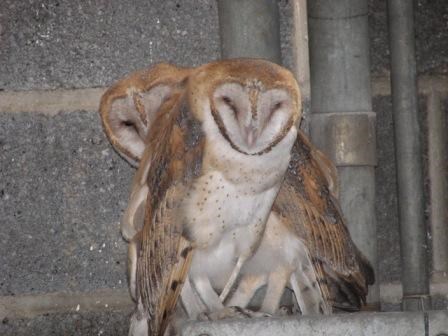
x=306, y=246
x=212, y=145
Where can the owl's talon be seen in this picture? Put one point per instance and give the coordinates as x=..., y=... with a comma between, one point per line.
x=204, y=317
x=285, y=311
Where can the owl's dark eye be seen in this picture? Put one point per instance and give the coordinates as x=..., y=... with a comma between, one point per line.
x=127, y=123
x=277, y=106
x=226, y=100
x=274, y=108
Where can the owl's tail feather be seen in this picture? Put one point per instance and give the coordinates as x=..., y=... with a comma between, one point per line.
x=308, y=290
x=341, y=292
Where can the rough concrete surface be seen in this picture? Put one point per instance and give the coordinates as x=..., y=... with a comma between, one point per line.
x=50, y=102
x=379, y=43
x=286, y=26
x=388, y=231
x=116, y=323
x=445, y=108
x=397, y=324
x=437, y=323
x=63, y=43
x=70, y=44
x=386, y=193
x=431, y=31
x=62, y=192
x=69, y=324
x=32, y=305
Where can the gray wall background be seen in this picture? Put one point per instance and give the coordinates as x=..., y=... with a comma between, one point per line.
x=63, y=188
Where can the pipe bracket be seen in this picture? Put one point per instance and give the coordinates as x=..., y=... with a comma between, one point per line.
x=419, y=302
x=349, y=138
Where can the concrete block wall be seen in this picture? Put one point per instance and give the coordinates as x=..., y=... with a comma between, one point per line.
x=62, y=186
x=431, y=34
x=387, y=212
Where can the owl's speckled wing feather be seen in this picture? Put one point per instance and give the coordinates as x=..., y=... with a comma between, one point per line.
x=307, y=203
x=174, y=156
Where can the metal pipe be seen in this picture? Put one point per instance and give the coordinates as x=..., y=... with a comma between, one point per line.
x=438, y=185
x=408, y=156
x=300, y=55
x=249, y=28
x=342, y=121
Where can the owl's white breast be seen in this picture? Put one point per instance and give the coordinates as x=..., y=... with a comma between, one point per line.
x=216, y=206
x=228, y=206
x=225, y=221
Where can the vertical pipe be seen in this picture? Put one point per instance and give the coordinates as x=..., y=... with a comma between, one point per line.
x=249, y=28
x=342, y=121
x=301, y=61
x=438, y=185
x=408, y=156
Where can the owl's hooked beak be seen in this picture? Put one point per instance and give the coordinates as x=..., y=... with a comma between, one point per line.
x=250, y=133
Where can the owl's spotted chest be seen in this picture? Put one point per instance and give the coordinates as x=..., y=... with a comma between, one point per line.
x=216, y=206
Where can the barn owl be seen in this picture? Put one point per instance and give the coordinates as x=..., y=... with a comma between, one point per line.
x=213, y=157
x=306, y=245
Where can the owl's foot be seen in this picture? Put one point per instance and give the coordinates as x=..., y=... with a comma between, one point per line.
x=231, y=312
x=285, y=311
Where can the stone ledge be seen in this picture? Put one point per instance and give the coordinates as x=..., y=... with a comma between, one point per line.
x=433, y=323
x=106, y=323
x=18, y=312
x=426, y=85
x=53, y=102
x=367, y=324
x=29, y=306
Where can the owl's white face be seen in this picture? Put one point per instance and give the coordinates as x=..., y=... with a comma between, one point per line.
x=252, y=119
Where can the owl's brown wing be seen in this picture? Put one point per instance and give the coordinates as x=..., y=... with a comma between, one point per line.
x=173, y=156
x=307, y=203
